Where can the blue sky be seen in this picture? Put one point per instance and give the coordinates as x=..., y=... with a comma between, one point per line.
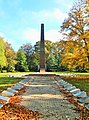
x=20, y=20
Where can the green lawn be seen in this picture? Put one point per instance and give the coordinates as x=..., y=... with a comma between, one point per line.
x=6, y=81
x=83, y=84
x=81, y=81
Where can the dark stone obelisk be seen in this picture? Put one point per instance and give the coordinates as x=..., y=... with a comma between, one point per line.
x=42, y=51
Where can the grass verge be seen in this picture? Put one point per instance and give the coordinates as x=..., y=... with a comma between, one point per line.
x=80, y=82
x=6, y=81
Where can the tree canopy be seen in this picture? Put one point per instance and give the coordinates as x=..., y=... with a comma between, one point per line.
x=76, y=27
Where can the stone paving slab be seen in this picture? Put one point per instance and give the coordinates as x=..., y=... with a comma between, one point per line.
x=43, y=95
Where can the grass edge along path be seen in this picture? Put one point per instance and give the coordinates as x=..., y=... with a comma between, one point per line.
x=81, y=82
x=6, y=81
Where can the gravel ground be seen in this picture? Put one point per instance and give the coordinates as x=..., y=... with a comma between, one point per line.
x=43, y=95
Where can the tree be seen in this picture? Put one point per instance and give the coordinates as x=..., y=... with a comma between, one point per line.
x=76, y=27
x=10, y=56
x=35, y=57
x=21, y=61
x=58, y=50
x=3, y=61
x=28, y=50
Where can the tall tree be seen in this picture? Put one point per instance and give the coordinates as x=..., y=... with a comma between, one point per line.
x=3, y=61
x=10, y=56
x=28, y=50
x=77, y=28
x=21, y=61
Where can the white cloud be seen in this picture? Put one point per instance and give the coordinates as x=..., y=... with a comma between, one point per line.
x=59, y=15
x=49, y=15
x=33, y=35
x=30, y=35
x=53, y=35
x=45, y=16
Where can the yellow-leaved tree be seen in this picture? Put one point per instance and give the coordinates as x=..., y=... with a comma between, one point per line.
x=76, y=27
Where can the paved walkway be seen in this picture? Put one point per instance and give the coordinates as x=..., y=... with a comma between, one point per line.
x=43, y=95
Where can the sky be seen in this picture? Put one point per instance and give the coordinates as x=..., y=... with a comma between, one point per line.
x=20, y=20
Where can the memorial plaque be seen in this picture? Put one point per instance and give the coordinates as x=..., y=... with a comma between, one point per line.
x=84, y=100
x=17, y=86
x=60, y=81
x=24, y=81
x=12, y=90
x=80, y=94
x=4, y=98
x=75, y=91
x=7, y=93
x=64, y=83
x=87, y=106
x=65, y=86
x=71, y=88
x=68, y=86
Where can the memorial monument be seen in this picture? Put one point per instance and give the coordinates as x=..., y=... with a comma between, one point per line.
x=42, y=51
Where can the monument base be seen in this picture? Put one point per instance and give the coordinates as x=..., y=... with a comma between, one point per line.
x=41, y=74
x=42, y=71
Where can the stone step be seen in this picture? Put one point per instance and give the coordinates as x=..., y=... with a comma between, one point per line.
x=76, y=90
x=17, y=86
x=25, y=80
x=64, y=83
x=84, y=99
x=80, y=94
x=71, y=88
x=7, y=93
x=67, y=86
x=12, y=90
x=4, y=98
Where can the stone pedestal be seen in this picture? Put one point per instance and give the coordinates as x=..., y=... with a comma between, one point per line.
x=42, y=71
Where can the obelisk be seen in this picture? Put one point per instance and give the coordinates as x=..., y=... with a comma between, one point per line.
x=42, y=51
